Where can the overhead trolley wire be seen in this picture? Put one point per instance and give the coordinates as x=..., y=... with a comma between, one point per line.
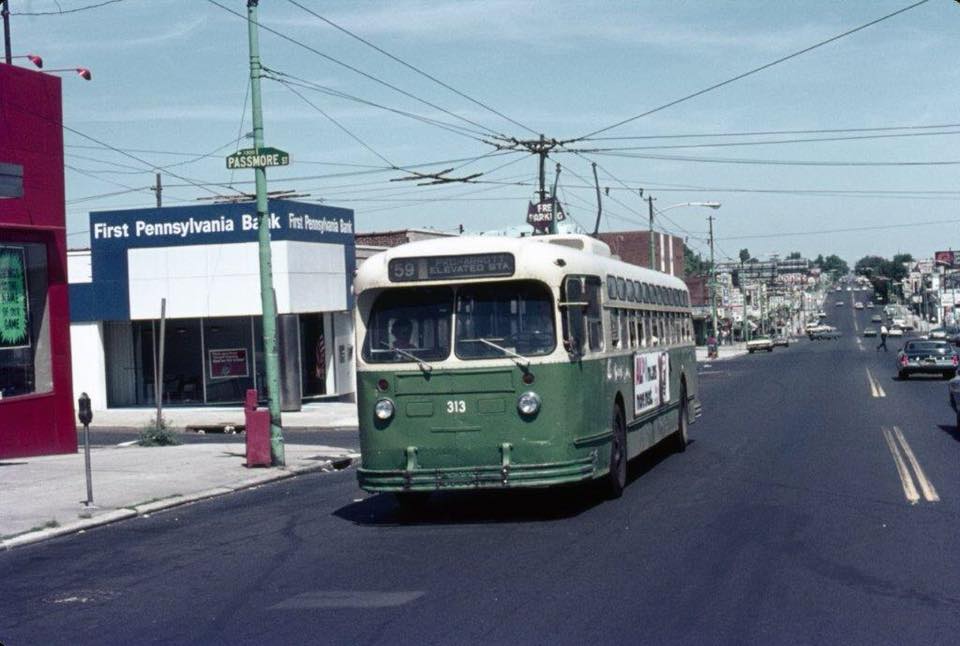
x=763, y=133
x=356, y=70
x=62, y=12
x=878, y=227
x=412, y=67
x=755, y=70
x=271, y=75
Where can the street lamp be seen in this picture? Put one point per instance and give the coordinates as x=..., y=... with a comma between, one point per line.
x=34, y=58
x=82, y=72
x=709, y=205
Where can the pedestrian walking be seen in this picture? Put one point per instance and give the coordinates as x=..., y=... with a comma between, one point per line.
x=883, y=338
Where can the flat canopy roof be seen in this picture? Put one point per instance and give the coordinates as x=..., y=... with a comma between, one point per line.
x=11, y=180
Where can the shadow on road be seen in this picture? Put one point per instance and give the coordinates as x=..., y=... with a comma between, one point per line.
x=497, y=506
x=950, y=430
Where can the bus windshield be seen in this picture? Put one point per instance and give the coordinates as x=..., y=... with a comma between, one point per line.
x=512, y=316
x=407, y=325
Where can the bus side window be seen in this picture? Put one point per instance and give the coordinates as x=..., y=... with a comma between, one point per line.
x=614, y=327
x=574, y=328
x=641, y=338
x=594, y=314
x=632, y=325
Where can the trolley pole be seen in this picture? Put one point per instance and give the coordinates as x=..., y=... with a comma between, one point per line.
x=267, y=297
x=713, y=282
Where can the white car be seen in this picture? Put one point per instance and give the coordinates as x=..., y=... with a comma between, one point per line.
x=839, y=303
x=760, y=343
x=895, y=330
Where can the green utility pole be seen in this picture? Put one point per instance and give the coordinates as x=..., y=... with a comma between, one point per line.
x=267, y=297
x=652, y=246
x=713, y=282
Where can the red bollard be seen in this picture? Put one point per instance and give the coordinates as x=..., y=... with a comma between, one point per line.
x=258, y=432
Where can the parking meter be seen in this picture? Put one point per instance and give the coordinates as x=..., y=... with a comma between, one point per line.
x=83, y=409
x=86, y=416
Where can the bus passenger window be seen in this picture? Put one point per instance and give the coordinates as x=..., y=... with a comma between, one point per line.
x=614, y=328
x=594, y=313
x=632, y=325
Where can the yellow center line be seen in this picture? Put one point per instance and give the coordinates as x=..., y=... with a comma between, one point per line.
x=909, y=490
x=929, y=491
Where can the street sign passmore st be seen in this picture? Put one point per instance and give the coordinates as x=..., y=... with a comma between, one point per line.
x=258, y=158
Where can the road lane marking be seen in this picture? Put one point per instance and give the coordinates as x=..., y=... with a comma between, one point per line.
x=860, y=344
x=909, y=490
x=875, y=388
x=929, y=491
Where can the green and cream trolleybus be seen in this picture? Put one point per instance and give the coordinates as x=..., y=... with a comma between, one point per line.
x=494, y=362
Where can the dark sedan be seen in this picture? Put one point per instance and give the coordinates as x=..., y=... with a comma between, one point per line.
x=927, y=356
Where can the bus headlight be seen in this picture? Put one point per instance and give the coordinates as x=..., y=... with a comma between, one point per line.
x=528, y=403
x=383, y=409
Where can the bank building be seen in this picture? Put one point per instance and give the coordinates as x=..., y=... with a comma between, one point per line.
x=202, y=263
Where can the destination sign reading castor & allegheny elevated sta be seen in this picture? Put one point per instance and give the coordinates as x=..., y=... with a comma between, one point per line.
x=258, y=158
x=482, y=265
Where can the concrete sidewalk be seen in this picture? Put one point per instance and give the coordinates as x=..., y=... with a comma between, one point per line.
x=313, y=415
x=42, y=497
x=724, y=352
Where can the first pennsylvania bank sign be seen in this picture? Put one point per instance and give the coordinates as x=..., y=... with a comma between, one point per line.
x=115, y=235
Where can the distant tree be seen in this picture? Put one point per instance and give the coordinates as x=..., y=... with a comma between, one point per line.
x=744, y=255
x=871, y=266
x=818, y=261
x=694, y=264
x=834, y=263
x=794, y=255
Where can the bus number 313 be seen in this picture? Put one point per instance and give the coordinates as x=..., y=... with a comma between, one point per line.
x=456, y=406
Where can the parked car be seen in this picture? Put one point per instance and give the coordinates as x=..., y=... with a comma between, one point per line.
x=781, y=340
x=870, y=331
x=760, y=343
x=937, y=333
x=927, y=356
x=954, y=390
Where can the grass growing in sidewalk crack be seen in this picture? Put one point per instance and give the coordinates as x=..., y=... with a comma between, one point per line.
x=156, y=433
x=50, y=524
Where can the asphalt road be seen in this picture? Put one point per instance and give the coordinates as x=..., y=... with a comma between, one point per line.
x=786, y=521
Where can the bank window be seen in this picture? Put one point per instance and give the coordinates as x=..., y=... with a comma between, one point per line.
x=25, y=365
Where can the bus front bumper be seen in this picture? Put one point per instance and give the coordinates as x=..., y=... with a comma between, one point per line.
x=499, y=476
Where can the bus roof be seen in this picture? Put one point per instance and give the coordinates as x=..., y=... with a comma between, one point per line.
x=546, y=257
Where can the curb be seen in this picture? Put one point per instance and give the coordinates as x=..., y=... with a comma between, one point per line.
x=145, y=509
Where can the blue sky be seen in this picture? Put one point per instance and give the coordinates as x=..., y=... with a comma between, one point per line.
x=172, y=76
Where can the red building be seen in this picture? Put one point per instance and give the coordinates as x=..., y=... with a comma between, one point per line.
x=36, y=400
x=634, y=247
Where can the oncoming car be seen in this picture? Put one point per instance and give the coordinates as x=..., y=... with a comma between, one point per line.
x=760, y=343
x=927, y=356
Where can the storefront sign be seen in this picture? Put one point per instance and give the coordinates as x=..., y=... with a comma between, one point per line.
x=542, y=214
x=945, y=259
x=13, y=299
x=446, y=267
x=651, y=380
x=228, y=363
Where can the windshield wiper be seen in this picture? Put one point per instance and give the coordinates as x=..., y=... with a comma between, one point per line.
x=426, y=367
x=522, y=360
